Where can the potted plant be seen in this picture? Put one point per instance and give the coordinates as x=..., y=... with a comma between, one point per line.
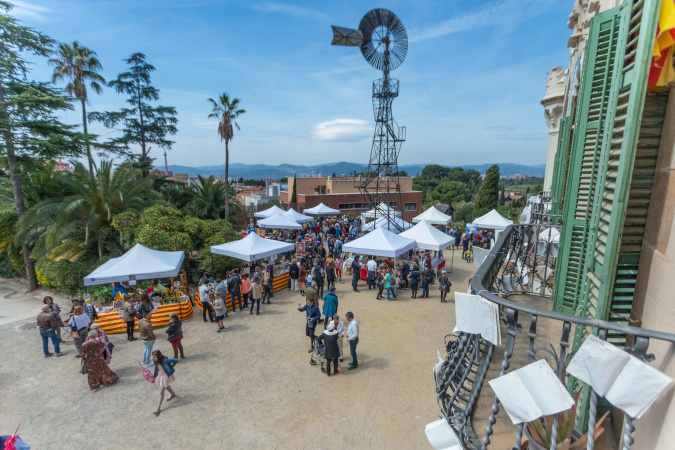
x=538, y=432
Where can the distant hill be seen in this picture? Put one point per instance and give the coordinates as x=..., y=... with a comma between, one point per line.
x=258, y=171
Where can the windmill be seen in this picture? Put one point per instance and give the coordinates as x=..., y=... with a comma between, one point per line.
x=384, y=44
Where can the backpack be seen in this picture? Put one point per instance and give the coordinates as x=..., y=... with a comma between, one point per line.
x=380, y=279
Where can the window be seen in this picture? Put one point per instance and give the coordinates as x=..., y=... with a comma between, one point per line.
x=411, y=206
x=351, y=206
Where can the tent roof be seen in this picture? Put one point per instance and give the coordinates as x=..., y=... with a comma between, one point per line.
x=428, y=237
x=269, y=212
x=252, y=247
x=382, y=222
x=140, y=262
x=380, y=242
x=434, y=216
x=382, y=210
x=280, y=221
x=492, y=220
x=321, y=209
x=296, y=216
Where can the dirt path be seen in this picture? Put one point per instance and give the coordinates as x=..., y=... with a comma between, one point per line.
x=251, y=386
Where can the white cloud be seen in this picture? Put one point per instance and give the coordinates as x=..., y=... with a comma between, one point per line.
x=510, y=11
x=25, y=10
x=343, y=130
x=296, y=11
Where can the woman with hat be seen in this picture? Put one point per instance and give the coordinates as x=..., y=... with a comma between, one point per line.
x=444, y=285
x=98, y=372
x=330, y=305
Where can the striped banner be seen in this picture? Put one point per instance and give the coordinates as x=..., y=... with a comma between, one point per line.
x=280, y=282
x=112, y=322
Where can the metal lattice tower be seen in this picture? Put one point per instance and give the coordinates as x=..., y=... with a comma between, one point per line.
x=384, y=44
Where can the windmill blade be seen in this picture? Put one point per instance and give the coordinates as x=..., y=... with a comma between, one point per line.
x=346, y=36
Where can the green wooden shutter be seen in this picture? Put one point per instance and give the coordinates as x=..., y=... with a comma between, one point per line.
x=620, y=207
x=562, y=160
x=585, y=150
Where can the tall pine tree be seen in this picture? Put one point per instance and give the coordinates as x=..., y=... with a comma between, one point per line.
x=488, y=194
x=142, y=124
x=29, y=129
x=294, y=193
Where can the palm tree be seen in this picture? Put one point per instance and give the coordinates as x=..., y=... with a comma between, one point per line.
x=80, y=223
x=226, y=111
x=209, y=196
x=77, y=65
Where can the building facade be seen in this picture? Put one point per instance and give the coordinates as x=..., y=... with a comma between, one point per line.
x=341, y=193
x=613, y=186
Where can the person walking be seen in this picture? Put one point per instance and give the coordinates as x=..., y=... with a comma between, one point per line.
x=414, y=281
x=318, y=276
x=330, y=305
x=426, y=280
x=164, y=376
x=221, y=288
x=294, y=273
x=379, y=282
x=256, y=294
x=371, y=267
x=302, y=271
x=47, y=324
x=233, y=286
x=338, y=268
x=332, y=350
x=389, y=284
x=313, y=316
x=221, y=308
x=175, y=335
x=339, y=326
x=56, y=310
x=129, y=316
x=270, y=271
x=245, y=289
x=406, y=271
x=98, y=372
x=79, y=322
x=207, y=305
x=353, y=338
x=107, y=348
x=312, y=293
x=147, y=336
x=356, y=273
x=330, y=273
x=444, y=285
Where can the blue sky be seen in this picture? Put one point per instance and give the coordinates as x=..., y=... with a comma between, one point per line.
x=470, y=86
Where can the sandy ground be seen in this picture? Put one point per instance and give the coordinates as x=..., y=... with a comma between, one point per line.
x=249, y=387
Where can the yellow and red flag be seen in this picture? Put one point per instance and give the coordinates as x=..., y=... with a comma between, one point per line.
x=662, y=71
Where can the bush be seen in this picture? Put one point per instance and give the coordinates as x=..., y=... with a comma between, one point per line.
x=65, y=276
x=464, y=213
x=6, y=268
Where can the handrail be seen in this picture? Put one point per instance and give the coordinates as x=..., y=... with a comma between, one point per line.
x=478, y=287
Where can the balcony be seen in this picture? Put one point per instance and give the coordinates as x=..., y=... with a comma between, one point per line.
x=517, y=275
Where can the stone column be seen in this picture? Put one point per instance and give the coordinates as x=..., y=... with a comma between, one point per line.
x=553, y=108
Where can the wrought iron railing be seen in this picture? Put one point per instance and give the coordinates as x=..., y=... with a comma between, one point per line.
x=520, y=265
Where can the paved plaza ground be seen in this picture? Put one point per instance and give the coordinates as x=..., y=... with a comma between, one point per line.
x=249, y=387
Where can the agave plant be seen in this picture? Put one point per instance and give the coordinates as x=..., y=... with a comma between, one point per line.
x=541, y=430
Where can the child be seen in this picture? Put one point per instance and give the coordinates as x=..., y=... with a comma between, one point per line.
x=245, y=288
x=469, y=253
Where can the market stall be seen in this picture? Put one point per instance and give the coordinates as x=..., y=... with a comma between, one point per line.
x=428, y=237
x=140, y=263
x=491, y=221
x=280, y=282
x=321, y=210
x=380, y=210
x=380, y=242
x=433, y=216
x=279, y=222
x=269, y=212
x=297, y=217
x=397, y=224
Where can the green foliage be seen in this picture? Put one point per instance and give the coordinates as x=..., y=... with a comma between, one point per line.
x=66, y=276
x=450, y=192
x=294, y=193
x=464, y=213
x=488, y=195
x=434, y=175
x=7, y=270
x=502, y=198
x=142, y=124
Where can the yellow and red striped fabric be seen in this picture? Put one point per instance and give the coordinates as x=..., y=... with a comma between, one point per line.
x=662, y=72
x=112, y=323
x=280, y=282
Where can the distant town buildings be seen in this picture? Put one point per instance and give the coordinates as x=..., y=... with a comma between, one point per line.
x=61, y=166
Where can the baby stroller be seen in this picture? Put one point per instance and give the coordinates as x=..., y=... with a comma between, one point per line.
x=318, y=355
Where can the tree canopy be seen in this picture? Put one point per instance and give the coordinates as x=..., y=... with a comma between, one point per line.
x=488, y=194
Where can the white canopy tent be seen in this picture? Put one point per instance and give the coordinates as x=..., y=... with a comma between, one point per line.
x=433, y=216
x=252, y=247
x=139, y=263
x=279, y=221
x=380, y=242
x=428, y=237
x=491, y=221
x=380, y=210
x=321, y=210
x=269, y=212
x=382, y=222
x=296, y=216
